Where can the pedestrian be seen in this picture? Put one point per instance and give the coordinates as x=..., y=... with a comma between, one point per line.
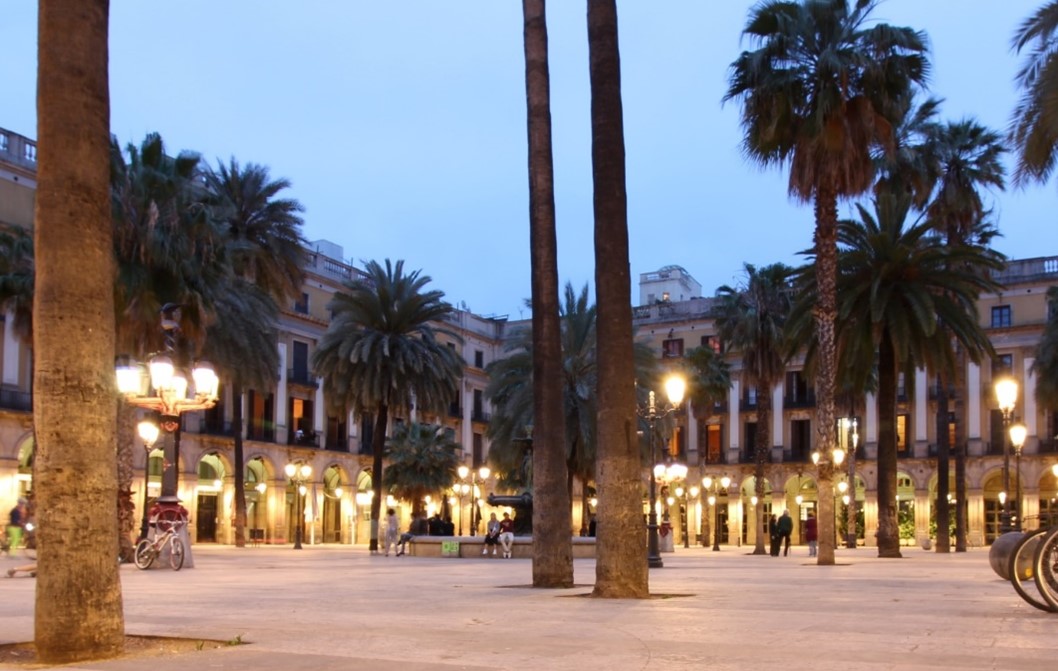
x=492, y=535
x=785, y=529
x=507, y=534
x=16, y=523
x=592, y=527
x=812, y=533
x=392, y=530
x=418, y=527
x=773, y=529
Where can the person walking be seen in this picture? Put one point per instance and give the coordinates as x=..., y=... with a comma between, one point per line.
x=392, y=530
x=773, y=529
x=16, y=523
x=812, y=533
x=785, y=529
x=492, y=535
x=507, y=534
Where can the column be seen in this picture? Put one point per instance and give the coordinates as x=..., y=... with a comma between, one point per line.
x=281, y=394
x=869, y=432
x=11, y=351
x=733, y=398
x=922, y=420
x=1028, y=399
x=777, y=421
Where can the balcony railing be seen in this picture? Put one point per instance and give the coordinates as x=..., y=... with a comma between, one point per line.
x=480, y=415
x=303, y=438
x=214, y=428
x=13, y=399
x=262, y=433
x=806, y=400
x=302, y=377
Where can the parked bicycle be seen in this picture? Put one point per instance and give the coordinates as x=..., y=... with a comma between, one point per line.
x=167, y=534
x=1033, y=568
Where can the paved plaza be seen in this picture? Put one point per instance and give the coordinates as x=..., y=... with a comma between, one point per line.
x=338, y=608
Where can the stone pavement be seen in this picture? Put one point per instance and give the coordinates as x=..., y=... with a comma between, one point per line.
x=337, y=607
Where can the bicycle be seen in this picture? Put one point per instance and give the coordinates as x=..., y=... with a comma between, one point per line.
x=1045, y=568
x=147, y=550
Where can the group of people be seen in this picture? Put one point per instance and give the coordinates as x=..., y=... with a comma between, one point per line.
x=782, y=529
x=497, y=532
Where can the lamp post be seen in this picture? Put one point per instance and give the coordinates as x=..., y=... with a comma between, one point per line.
x=461, y=489
x=675, y=387
x=162, y=386
x=1006, y=396
x=714, y=486
x=475, y=498
x=148, y=432
x=1017, y=433
x=299, y=475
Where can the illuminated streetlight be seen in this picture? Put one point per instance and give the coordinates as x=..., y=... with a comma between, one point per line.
x=299, y=475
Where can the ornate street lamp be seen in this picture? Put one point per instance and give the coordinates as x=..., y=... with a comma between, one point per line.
x=1018, y=433
x=1006, y=397
x=475, y=499
x=299, y=474
x=162, y=386
x=675, y=388
x=715, y=486
x=148, y=432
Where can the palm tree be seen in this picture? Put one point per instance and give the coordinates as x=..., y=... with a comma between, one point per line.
x=750, y=320
x=510, y=391
x=620, y=567
x=78, y=613
x=422, y=459
x=1046, y=364
x=382, y=352
x=1034, y=127
x=242, y=346
x=708, y=378
x=822, y=91
x=16, y=279
x=264, y=245
x=168, y=249
x=552, y=547
x=967, y=156
x=897, y=287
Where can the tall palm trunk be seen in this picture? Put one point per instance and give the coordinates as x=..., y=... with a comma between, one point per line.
x=960, y=451
x=78, y=613
x=825, y=314
x=125, y=435
x=552, y=478
x=761, y=456
x=620, y=567
x=888, y=525
x=943, y=466
x=240, y=467
x=378, y=450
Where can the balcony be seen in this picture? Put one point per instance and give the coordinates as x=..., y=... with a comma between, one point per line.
x=303, y=438
x=805, y=400
x=479, y=415
x=302, y=378
x=934, y=392
x=12, y=399
x=266, y=434
x=214, y=428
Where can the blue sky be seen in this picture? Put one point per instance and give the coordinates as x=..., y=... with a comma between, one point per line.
x=401, y=124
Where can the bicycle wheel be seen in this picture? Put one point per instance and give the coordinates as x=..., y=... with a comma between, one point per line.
x=1021, y=570
x=144, y=556
x=1045, y=568
x=176, y=553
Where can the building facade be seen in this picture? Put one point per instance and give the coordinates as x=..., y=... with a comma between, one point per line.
x=292, y=424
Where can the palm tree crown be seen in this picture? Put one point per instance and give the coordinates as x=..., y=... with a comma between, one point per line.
x=1034, y=126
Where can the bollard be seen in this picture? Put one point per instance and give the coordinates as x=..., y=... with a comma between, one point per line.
x=1000, y=552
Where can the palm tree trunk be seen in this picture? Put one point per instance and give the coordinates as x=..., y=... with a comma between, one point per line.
x=943, y=467
x=761, y=456
x=378, y=451
x=240, y=467
x=825, y=314
x=620, y=567
x=960, y=451
x=78, y=613
x=888, y=525
x=126, y=506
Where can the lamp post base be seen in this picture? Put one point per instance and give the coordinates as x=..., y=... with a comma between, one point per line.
x=653, y=553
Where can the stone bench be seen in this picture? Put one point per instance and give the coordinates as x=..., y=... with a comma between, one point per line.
x=469, y=547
